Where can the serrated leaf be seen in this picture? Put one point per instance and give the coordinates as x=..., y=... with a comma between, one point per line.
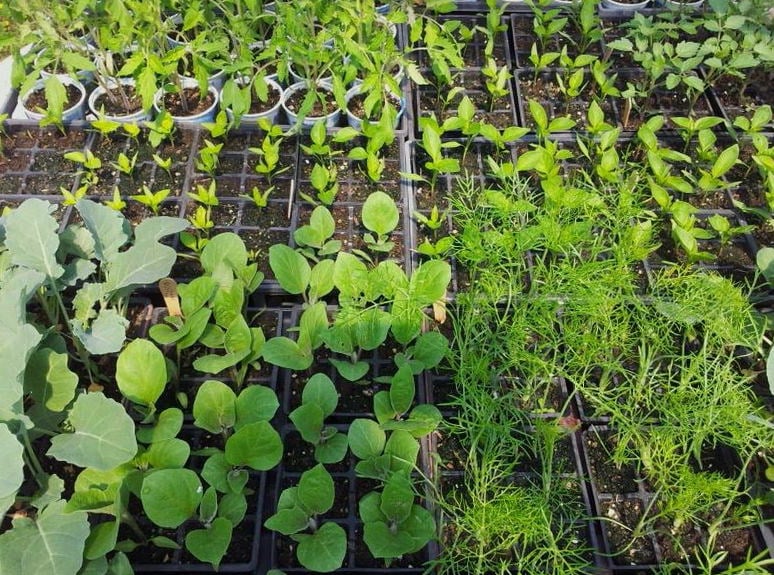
x=31, y=238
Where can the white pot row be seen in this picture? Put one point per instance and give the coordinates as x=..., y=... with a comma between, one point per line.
x=78, y=111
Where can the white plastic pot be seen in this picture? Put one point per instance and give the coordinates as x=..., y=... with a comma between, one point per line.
x=272, y=115
x=624, y=7
x=331, y=120
x=675, y=5
x=130, y=118
x=207, y=115
x=74, y=112
x=355, y=121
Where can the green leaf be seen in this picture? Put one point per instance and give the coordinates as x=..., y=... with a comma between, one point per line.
x=380, y=214
x=49, y=379
x=366, y=438
x=171, y=496
x=320, y=391
x=214, y=408
x=168, y=454
x=397, y=498
x=404, y=450
x=350, y=371
x=141, y=372
x=372, y=327
x=226, y=249
x=324, y=551
x=350, y=275
x=233, y=507
x=256, y=445
x=290, y=268
x=430, y=348
x=106, y=334
x=402, y=389
x=770, y=369
x=12, y=472
x=308, y=419
x=147, y=261
x=108, y=228
x=255, y=403
x=321, y=279
x=315, y=490
x=210, y=545
x=31, y=238
x=52, y=544
x=288, y=521
x=333, y=449
x=168, y=424
x=284, y=352
x=765, y=261
x=429, y=282
x=725, y=161
x=103, y=435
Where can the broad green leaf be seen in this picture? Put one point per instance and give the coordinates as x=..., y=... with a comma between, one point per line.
x=145, y=262
x=49, y=379
x=284, y=352
x=403, y=449
x=320, y=391
x=380, y=214
x=430, y=348
x=315, y=490
x=109, y=229
x=350, y=371
x=12, y=471
x=215, y=471
x=255, y=403
x=324, y=551
x=210, y=545
x=141, y=372
x=308, y=419
x=288, y=521
x=422, y=420
x=407, y=317
x=31, y=237
x=372, y=327
x=366, y=438
x=256, y=445
x=402, y=389
x=171, y=496
x=332, y=449
x=429, y=282
x=151, y=230
x=321, y=219
x=349, y=274
x=214, y=408
x=168, y=454
x=214, y=363
x=168, y=424
x=226, y=248
x=397, y=498
x=106, y=333
x=314, y=323
x=290, y=268
x=103, y=435
x=233, y=507
x=52, y=544
x=725, y=161
x=321, y=279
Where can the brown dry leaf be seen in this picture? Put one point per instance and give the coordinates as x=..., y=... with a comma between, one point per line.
x=439, y=311
x=95, y=388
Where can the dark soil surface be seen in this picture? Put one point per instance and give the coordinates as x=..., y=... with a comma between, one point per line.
x=119, y=101
x=189, y=103
x=37, y=99
x=606, y=476
x=323, y=105
x=622, y=516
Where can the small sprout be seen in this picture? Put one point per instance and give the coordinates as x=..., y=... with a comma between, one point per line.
x=164, y=164
x=124, y=164
x=70, y=198
x=151, y=200
x=117, y=203
x=260, y=199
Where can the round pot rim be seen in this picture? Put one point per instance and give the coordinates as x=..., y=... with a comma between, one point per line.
x=355, y=90
x=99, y=90
x=188, y=83
x=298, y=86
x=624, y=6
x=40, y=84
x=273, y=110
